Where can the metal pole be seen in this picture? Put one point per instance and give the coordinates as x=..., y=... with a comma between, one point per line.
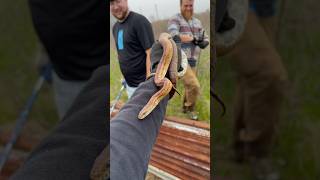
x=20, y=122
x=118, y=96
x=198, y=61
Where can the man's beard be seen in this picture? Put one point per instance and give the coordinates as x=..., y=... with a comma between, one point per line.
x=122, y=16
x=187, y=14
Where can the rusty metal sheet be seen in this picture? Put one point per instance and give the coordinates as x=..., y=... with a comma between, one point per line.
x=183, y=152
x=183, y=160
x=193, y=138
x=24, y=142
x=15, y=160
x=186, y=152
x=176, y=169
x=184, y=144
x=182, y=149
x=198, y=124
x=187, y=128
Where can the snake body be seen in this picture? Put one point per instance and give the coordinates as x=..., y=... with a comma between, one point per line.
x=168, y=62
x=173, y=73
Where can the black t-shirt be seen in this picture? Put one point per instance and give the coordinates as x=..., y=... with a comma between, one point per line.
x=74, y=33
x=133, y=37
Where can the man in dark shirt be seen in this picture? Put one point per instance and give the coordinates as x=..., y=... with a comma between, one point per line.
x=134, y=37
x=73, y=33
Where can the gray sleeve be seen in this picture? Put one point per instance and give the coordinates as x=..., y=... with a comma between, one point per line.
x=131, y=139
x=69, y=151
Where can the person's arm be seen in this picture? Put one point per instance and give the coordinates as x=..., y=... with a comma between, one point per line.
x=206, y=37
x=146, y=39
x=173, y=29
x=70, y=150
x=131, y=139
x=186, y=38
x=203, y=40
x=148, y=63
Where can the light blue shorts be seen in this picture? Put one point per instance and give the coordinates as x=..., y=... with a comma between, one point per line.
x=130, y=90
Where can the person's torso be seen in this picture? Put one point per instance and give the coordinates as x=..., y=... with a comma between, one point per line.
x=131, y=53
x=190, y=27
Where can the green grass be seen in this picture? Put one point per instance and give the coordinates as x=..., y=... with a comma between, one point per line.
x=18, y=46
x=298, y=145
x=175, y=104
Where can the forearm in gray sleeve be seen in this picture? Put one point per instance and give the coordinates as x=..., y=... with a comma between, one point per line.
x=131, y=139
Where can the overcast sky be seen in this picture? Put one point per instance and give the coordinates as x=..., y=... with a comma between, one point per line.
x=166, y=8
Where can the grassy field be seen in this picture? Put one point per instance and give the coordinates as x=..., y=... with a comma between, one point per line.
x=297, y=151
x=175, y=104
x=18, y=49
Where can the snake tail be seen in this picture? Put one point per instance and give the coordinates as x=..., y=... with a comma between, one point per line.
x=155, y=99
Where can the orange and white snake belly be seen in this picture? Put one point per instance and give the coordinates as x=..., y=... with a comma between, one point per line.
x=168, y=62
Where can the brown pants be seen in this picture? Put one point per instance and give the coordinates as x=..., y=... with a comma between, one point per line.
x=192, y=89
x=261, y=77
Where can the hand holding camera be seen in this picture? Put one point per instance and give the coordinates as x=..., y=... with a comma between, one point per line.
x=201, y=42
